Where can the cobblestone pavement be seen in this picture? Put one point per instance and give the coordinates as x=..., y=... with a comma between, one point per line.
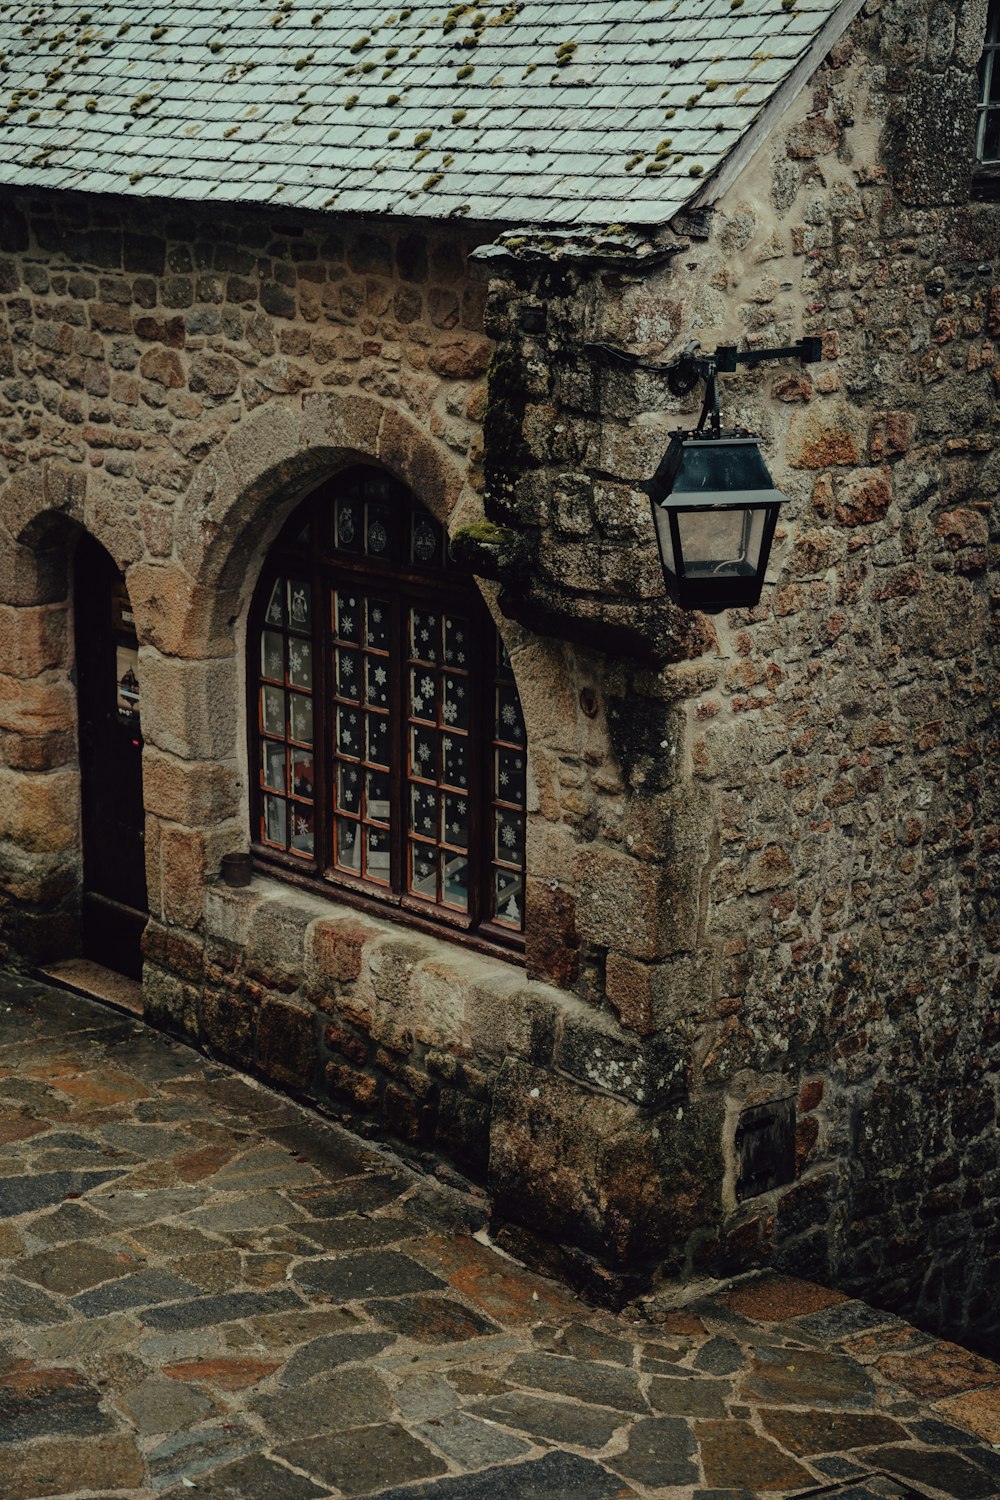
x=208, y=1291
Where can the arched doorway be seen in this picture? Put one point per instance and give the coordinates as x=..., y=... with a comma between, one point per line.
x=114, y=907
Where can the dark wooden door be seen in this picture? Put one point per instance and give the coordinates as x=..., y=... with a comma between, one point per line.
x=115, y=908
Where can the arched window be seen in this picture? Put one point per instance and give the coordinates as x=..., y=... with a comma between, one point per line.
x=388, y=753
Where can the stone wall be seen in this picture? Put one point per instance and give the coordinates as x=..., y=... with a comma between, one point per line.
x=760, y=846
x=836, y=888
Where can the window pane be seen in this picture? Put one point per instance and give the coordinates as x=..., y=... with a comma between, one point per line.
x=272, y=716
x=424, y=636
x=348, y=525
x=455, y=880
x=272, y=655
x=423, y=694
x=423, y=810
x=275, y=823
x=509, y=835
x=276, y=605
x=455, y=821
x=455, y=709
x=302, y=828
x=377, y=681
x=301, y=719
x=348, y=850
x=510, y=776
x=302, y=774
x=423, y=753
x=348, y=674
x=349, y=733
x=299, y=604
x=425, y=539
x=423, y=871
x=273, y=765
x=347, y=622
x=377, y=738
x=507, y=902
x=379, y=531
x=377, y=855
x=456, y=640
x=300, y=663
x=510, y=725
x=349, y=789
x=379, y=614
x=377, y=793
x=456, y=760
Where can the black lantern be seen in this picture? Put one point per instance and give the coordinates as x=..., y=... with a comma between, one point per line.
x=714, y=503
x=715, y=508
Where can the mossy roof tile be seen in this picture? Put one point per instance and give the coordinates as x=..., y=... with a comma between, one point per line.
x=250, y=100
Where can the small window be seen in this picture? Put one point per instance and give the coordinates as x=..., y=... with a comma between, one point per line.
x=387, y=740
x=988, y=122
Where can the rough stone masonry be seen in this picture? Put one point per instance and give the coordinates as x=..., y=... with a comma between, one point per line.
x=762, y=853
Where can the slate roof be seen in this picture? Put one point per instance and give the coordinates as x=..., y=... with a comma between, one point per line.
x=554, y=112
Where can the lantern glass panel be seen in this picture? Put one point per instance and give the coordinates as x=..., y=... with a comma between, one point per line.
x=720, y=543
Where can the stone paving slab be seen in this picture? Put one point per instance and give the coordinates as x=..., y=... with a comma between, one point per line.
x=231, y=1298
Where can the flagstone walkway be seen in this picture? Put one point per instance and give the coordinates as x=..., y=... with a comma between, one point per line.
x=208, y=1291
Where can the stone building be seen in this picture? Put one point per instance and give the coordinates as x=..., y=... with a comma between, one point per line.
x=674, y=932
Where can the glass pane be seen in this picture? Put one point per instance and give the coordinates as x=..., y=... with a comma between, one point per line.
x=455, y=710
x=272, y=656
x=423, y=753
x=720, y=543
x=509, y=836
x=456, y=640
x=348, y=732
x=510, y=725
x=425, y=539
x=276, y=605
x=348, y=524
x=302, y=828
x=507, y=902
x=377, y=796
x=349, y=845
x=423, y=694
x=510, y=776
x=348, y=673
x=302, y=773
x=299, y=604
x=378, y=532
x=455, y=822
x=377, y=856
x=377, y=681
x=423, y=636
x=991, y=134
x=272, y=710
x=273, y=765
x=455, y=880
x=379, y=616
x=300, y=663
x=456, y=760
x=349, y=789
x=275, y=825
x=377, y=738
x=346, y=621
x=423, y=810
x=301, y=725
x=423, y=872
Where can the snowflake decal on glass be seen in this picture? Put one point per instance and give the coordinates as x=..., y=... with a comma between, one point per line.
x=503, y=778
x=509, y=715
x=346, y=667
x=376, y=615
x=450, y=712
x=347, y=624
x=428, y=823
x=508, y=836
x=380, y=676
x=427, y=687
x=423, y=752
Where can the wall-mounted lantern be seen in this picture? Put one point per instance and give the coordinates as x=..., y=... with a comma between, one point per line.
x=715, y=505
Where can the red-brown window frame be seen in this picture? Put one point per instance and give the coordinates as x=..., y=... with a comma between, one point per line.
x=318, y=562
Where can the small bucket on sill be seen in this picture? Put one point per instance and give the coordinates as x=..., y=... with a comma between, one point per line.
x=236, y=869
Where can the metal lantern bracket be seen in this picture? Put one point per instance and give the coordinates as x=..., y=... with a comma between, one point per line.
x=684, y=372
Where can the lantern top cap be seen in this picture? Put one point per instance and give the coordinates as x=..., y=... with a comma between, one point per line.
x=704, y=470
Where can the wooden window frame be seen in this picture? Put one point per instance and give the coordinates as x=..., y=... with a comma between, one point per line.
x=405, y=586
